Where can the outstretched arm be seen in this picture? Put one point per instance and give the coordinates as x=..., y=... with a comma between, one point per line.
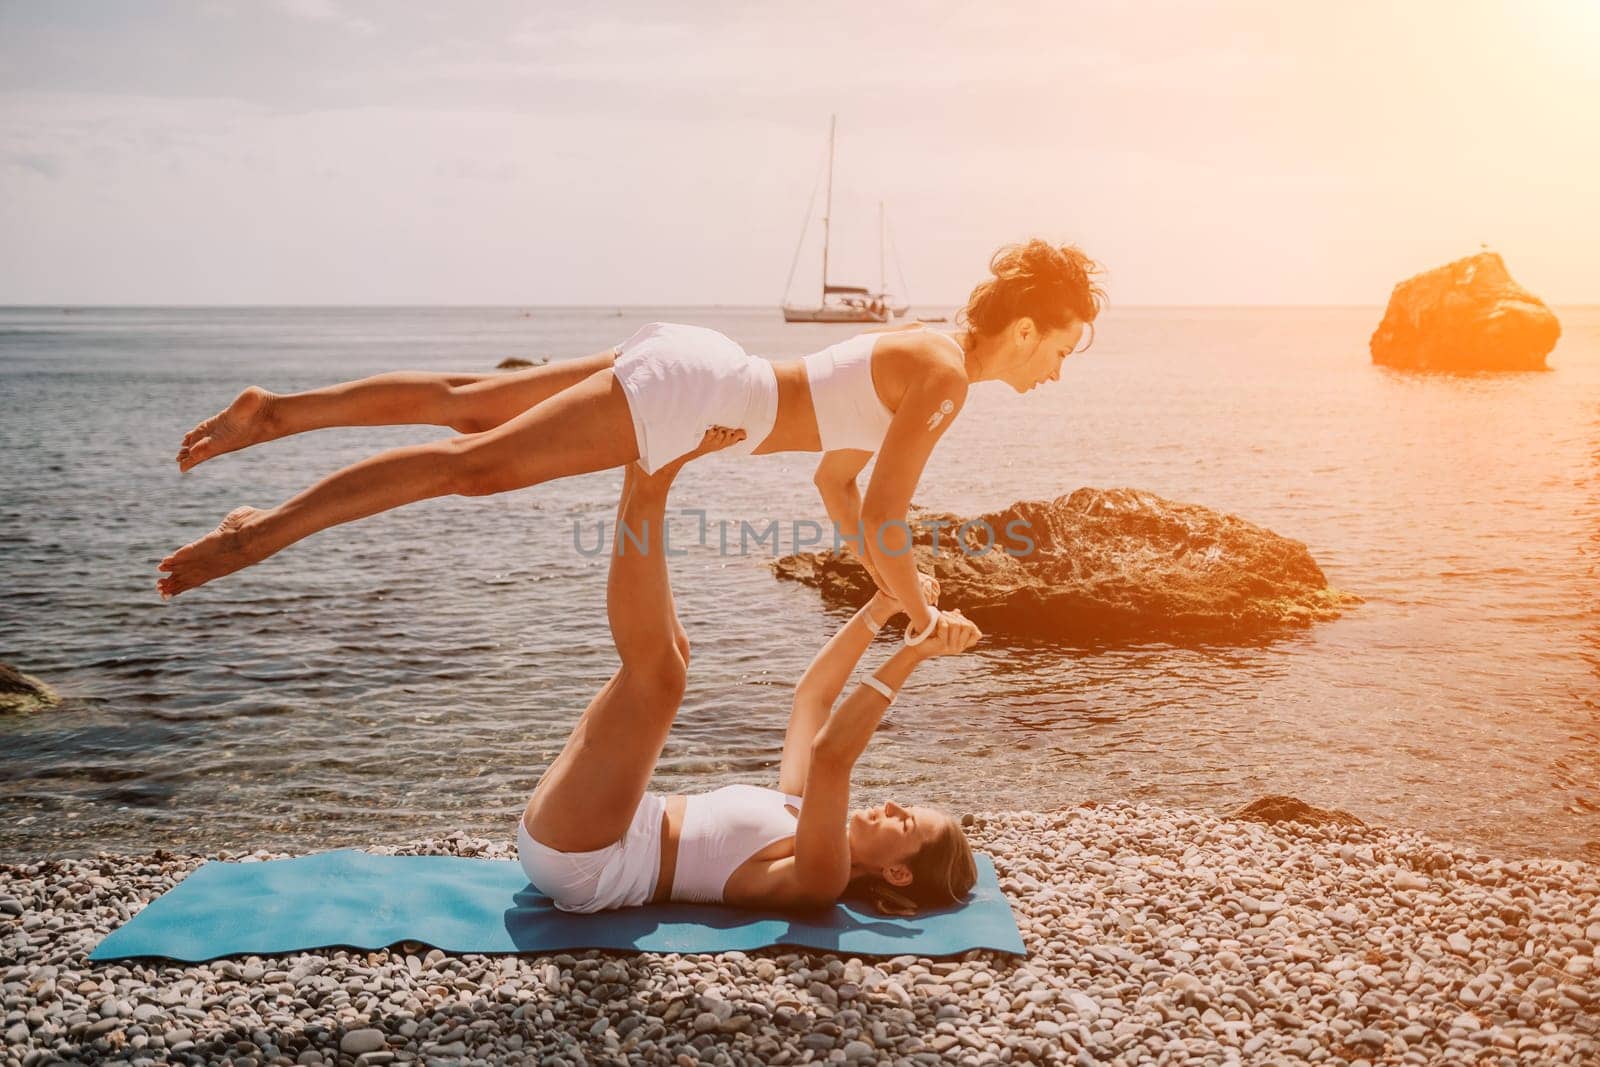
x=819, y=687
x=836, y=484
x=930, y=405
x=822, y=842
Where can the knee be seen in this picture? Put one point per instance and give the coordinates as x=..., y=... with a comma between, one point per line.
x=464, y=416
x=672, y=675
x=468, y=424
x=681, y=640
x=664, y=676
x=468, y=470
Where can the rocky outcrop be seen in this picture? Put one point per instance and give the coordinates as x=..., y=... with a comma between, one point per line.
x=1277, y=808
x=1104, y=566
x=19, y=692
x=1465, y=316
x=517, y=363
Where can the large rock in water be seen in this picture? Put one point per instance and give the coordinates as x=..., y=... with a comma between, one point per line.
x=1465, y=316
x=1107, y=566
x=20, y=692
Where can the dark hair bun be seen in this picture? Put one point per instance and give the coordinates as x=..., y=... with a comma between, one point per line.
x=1050, y=284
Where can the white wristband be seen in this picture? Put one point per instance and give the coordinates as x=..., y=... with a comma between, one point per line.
x=866, y=617
x=913, y=640
x=883, y=690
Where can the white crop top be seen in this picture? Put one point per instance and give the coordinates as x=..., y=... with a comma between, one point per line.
x=721, y=830
x=849, y=413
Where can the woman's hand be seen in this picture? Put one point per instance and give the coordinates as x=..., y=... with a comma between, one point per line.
x=953, y=634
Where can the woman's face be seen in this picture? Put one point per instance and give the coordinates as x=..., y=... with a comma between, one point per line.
x=1040, y=354
x=889, y=834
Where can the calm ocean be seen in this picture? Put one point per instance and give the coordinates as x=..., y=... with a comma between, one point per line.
x=413, y=673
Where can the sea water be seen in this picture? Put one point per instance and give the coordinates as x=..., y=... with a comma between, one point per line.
x=414, y=673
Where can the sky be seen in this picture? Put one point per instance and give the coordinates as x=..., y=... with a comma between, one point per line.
x=351, y=152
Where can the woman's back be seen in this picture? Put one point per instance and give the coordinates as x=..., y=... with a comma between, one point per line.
x=841, y=397
x=844, y=398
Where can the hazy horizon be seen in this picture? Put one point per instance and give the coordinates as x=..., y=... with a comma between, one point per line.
x=320, y=153
x=68, y=305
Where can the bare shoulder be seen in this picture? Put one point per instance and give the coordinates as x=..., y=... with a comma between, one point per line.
x=919, y=355
x=775, y=883
x=895, y=327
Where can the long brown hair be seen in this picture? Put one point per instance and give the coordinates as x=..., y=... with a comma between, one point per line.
x=1047, y=283
x=943, y=872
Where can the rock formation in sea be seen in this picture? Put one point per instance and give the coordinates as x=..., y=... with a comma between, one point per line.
x=1276, y=808
x=20, y=692
x=1103, y=566
x=1465, y=316
x=517, y=363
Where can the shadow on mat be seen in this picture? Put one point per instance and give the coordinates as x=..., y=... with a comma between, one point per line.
x=534, y=923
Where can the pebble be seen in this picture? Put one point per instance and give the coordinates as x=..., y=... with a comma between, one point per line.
x=1154, y=935
x=358, y=1041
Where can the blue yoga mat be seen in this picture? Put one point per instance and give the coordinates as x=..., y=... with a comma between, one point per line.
x=348, y=897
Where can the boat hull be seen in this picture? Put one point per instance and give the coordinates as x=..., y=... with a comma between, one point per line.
x=833, y=314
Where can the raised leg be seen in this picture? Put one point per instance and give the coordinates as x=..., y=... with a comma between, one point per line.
x=578, y=430
x=468, y=403
x=494, y=399
x=587, y=796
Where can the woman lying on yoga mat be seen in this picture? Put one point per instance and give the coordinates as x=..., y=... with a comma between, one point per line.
x=593, y=836
x=651, y=399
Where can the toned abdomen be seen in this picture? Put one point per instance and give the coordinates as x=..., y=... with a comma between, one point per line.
x=795, y=428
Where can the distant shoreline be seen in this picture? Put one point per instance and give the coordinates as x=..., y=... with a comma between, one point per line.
x=945, y=308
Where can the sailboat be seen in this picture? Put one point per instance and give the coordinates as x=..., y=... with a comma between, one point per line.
x=841, y=303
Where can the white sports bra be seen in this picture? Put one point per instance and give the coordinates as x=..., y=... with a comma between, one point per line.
x=849, y=413
x=721, y=830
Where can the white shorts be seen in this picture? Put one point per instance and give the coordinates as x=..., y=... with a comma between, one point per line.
x=621, y=875
x=682, y=380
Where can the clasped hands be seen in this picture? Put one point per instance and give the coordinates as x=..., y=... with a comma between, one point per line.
x=952, y=632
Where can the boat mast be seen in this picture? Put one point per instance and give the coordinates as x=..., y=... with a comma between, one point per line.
x=883, y=283
x=827, y=210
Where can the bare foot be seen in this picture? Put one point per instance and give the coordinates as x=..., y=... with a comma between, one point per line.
x=241, y=424
x=222, y=551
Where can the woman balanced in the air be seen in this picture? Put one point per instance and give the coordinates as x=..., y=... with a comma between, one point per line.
x=594, y=837
x=651, y=399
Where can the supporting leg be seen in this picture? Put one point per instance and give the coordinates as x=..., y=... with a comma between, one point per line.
x=587, y=797
x=467, y=403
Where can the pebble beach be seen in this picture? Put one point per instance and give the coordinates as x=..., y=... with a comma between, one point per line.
x=1154, y=935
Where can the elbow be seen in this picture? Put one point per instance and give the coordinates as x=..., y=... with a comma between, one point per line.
x=815, y=900
x=809, y=701
x=824, y=892
x=878, y=509
x=885, y=533
x=827, y=754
